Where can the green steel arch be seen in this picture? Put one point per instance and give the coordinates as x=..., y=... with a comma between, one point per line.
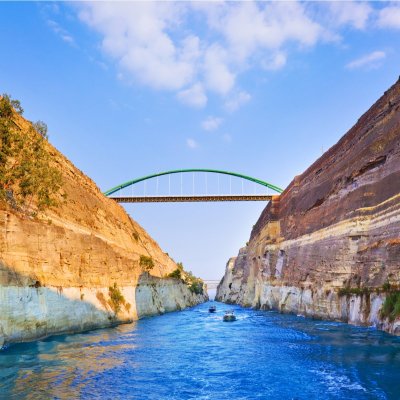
x=177, y=171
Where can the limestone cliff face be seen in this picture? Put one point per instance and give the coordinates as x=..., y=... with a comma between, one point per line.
x=336, y=226
x=56, y=268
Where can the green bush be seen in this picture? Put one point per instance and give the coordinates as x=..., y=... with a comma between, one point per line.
x=391, y=306
x=194, y=284
x=146, y=263
x=386, y=286
x=359, y=291
x=176, y=274
x=197, y=287
x=116, y=298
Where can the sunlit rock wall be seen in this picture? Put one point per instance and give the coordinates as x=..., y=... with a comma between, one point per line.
x=56, y=267
x=336, y=226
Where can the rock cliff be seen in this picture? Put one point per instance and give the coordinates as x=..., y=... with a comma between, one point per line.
x=77, y=266
x=329, y=246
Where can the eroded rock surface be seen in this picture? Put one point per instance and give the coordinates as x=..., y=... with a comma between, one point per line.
x=57, y=267
x=335, y=226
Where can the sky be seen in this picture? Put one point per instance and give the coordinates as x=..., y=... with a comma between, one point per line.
x=130, y=89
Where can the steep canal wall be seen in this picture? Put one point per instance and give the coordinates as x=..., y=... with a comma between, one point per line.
x=80, y=265
x=329, y=246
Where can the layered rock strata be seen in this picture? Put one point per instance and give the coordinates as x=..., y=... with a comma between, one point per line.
x=329, y=246
x=59, y=269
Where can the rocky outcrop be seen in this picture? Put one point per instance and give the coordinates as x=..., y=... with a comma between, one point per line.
x=77, y=266
x=330, y=244
x=159, y=295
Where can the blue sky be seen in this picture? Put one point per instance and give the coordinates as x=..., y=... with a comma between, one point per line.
x=129, y=89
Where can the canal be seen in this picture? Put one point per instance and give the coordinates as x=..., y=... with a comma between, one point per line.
x=194, y=355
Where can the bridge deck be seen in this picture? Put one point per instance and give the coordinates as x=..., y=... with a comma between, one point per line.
x=183, y=199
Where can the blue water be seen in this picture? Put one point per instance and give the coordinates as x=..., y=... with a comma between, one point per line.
x=194, y=355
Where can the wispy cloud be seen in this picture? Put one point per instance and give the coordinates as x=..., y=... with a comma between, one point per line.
x=372, y=60
x=274, y=62
x=61, y=32
x=389, y=17
x=218, y=75
x=194, y=96
x=191, y=143
x=211, y=123
x=237, y=100
x=353, y=13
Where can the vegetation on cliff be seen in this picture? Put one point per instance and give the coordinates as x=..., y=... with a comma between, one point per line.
x=357, y=291
x=116, y=298
x=146, y=263
x=177, y=273
x=391, y=306
x=196, y=285
x=26, y=174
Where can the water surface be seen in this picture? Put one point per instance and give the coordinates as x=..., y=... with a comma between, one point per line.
x=194, y=355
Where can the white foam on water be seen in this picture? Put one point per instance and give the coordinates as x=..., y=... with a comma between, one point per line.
x=336, y=382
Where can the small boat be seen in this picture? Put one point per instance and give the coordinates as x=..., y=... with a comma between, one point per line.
x=212, y=309
x=229, y=316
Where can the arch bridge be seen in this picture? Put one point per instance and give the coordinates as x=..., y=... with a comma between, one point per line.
x=117, y=193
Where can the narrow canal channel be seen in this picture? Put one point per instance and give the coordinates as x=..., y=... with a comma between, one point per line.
x=194, y=355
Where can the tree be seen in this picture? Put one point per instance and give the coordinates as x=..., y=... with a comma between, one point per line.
x=8, y=104
x=41, y=128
